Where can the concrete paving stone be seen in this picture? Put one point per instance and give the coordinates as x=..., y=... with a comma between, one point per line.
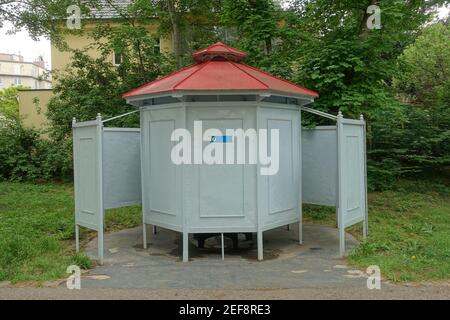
x=160, y=266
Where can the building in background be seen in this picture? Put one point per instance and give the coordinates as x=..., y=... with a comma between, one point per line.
x=14, y=71
x=81, y=39
x=33, y=107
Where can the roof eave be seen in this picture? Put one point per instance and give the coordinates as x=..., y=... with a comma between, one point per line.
x=137, y=99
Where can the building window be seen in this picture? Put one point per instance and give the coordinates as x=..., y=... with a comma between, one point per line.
x=158, y=46
x=117, y=58
x=17, y=69
x=17, y=81
x=1, y=83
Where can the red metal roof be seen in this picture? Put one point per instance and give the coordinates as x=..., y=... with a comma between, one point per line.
x=219, y=68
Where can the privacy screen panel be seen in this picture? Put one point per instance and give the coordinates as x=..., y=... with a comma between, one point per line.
x=87, y=176
x=319, y=166
x=352, y=186
x=121, y=167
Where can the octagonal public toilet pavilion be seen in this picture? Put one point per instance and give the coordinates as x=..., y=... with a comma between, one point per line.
x=219, y=92
x=220, y=150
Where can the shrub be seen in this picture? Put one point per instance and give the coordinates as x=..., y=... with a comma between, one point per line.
x=24, y=156
x=18, y=152
x=382, y=175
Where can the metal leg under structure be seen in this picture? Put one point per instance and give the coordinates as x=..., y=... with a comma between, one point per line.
x=260, y=246
x=155, y=231
x=77, y=238
x=144, y=235
x=288, y=227
x=185, y=247
x=342, y=242
x=337, y=217
x=223, y=246
x=365, y=229
x=300, y=233
x=300, y=228
x=100, y=247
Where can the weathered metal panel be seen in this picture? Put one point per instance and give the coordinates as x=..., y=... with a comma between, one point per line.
x=121, y=167
x=352, y=166
x=278, y=201
x=162, y=185
x=88, y=175
x=221, y=197
x=319, y=166
x=221, y=187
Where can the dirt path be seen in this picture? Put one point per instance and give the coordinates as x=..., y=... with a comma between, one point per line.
x=441, y=291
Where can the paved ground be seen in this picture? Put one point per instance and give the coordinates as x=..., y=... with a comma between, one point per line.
x=386, y=292
x=290, y=271
x=286, y=265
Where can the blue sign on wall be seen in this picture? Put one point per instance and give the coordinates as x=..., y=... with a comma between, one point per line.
x=221, y=139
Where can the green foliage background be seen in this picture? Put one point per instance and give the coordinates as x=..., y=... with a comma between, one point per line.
x=397, y=76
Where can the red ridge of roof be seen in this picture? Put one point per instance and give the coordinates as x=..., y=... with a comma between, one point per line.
x=220, y=70
x=131, y=92
x=236, y=66
x=220, y=76
x=185, y=79
x=219, y=49
x=281, y=79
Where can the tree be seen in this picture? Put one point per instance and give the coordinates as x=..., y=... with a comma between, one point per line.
x=94, y=85
x=423, y=82
x=192, y=24
x=351, y=66
x=324, y=45
x=411, y=134
x=424, y=76
x=40, y=17
x=187, y=20
x=256, y=22
x=23, y=154
x=267, y=32
x=9, y=105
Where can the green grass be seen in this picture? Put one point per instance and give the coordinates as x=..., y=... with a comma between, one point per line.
x=409, y=232
x=37, y=231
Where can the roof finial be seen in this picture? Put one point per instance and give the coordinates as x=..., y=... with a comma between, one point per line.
x=219, y=50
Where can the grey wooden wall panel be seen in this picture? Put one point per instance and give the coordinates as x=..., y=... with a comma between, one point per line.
x=221, y=197
x=281, y=185
x=224, y=199
x=162, y=170
x=87, y=177
x=162, y=187
x=278, y=202
x=121, y=167
x=353, y=173
x=319, y=165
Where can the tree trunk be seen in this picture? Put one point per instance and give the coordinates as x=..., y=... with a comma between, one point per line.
x=268, y=44
x=176, y=32
x=364, y=30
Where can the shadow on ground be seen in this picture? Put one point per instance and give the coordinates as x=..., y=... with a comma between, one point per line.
x=287, y=264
